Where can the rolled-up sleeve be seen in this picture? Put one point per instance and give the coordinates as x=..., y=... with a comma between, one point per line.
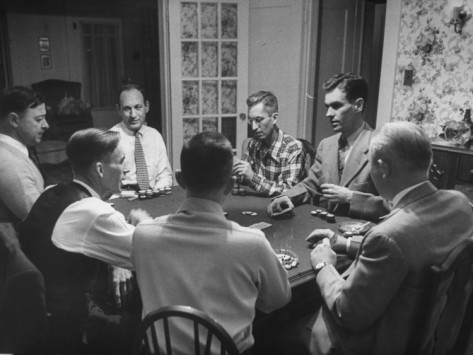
x=94, y=228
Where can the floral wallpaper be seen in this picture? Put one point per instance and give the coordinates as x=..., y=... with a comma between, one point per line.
x=442, y=65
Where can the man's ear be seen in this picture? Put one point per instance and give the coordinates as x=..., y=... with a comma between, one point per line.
x=228, y=186
x=359, y=104
x=385, y=168
x=180, y=178
x=146, y=106
x=275, y=117
x=118, y=107
x=98, y=168
x=13, y=119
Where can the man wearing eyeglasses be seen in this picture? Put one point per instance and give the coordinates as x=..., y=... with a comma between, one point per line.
x=273, y=161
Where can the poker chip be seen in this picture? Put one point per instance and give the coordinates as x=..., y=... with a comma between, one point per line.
x=330, y=218
x=323, y=214
x=314, y=213
x=253, y=214
x=287, y=258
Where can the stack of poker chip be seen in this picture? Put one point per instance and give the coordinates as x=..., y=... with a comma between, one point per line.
x=287, y=258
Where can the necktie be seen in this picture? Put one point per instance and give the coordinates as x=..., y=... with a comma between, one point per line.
x=342, y=152
x=142, y=177
x=34, y=158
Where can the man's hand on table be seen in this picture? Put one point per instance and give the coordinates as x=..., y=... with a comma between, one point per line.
x=323, y=253
x=243, y=169
x=337, y=242
x=336, y=194
x=279, y=205
x=137, y=216
x=122, y=287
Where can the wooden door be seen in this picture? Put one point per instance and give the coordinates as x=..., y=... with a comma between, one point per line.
x=209, y=66
x=350, y=40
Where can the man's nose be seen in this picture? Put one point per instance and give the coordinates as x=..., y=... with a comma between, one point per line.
x=330, y=112
x=45, y=124
x=254, y=126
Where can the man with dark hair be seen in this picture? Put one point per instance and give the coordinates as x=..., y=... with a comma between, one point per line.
x=273, y=161
x=146, y=159
x=340, y=177
x=374, y=310
x=22, y=125
x=196, y=257
x=71, y=234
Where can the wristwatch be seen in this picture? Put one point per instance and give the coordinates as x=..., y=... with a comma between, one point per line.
x=320, y=266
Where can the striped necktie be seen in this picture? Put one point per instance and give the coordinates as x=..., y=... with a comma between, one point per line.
x=342, y=153
x=142, y=177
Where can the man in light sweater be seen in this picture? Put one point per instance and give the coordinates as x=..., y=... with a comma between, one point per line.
x=196, y=257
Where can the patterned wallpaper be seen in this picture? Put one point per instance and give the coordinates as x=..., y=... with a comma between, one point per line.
x=442, y=64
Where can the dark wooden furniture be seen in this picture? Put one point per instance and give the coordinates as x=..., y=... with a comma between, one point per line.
x=446, y=325
x=284, y=233
x=455, y=161
x=65, y=112
x=147, y=340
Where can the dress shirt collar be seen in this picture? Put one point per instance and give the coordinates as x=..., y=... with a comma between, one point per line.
x=275, y=146
x=201, y=205
x=132, y=133
x=14, y=143
x=403, y=193
x=91, y=190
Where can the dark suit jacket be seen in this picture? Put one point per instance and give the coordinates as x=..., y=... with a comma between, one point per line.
x=374, y=310
x=22, y=304
x=365, y=203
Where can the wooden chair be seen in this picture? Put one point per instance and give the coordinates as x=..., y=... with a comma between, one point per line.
x=147, y=340
x=309, y=155
x=447, y=319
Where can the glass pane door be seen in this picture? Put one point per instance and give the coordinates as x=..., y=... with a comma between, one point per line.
x=209, y=60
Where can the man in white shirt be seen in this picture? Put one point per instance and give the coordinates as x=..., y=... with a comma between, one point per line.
x=134, y=132
x=22, y=125
x=70, y=235
x=197, y=257
x=340, y=177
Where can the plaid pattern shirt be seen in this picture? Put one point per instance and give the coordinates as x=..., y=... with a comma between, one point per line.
x=277, y=168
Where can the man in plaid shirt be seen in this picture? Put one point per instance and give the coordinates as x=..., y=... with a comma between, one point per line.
x=274, y=161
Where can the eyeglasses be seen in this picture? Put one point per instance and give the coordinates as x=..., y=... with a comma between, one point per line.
x=258, y=120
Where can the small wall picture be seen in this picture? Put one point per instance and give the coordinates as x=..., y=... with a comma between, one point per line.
x=44, y=44
x=46, y=61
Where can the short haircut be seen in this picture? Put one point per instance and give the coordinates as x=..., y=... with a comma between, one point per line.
x=206, y=161
x=90, y=145
x=404, y=143
x=18, y=99
x=354, y=86
x=268, y=99
x=129, y=87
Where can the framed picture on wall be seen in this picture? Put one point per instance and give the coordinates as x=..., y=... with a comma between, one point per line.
x=46, y=61
x=44, y=44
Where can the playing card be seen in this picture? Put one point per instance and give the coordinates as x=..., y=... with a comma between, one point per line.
x=260, y=225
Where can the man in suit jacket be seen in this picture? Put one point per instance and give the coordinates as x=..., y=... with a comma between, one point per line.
x=22, y=304
x=340, y=177
x=374, y=310
x=22, y=125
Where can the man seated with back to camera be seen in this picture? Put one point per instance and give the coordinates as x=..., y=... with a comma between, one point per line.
x=70, y=235
x=340, y=177
x=273, y=161
x=374, y=310
x=197, y=257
